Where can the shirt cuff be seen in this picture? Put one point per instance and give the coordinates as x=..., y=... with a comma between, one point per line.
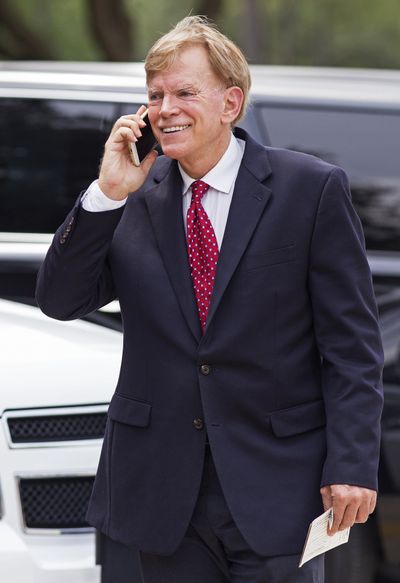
x=94, y=200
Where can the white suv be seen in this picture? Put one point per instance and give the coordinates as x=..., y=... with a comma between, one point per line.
x=56, y=380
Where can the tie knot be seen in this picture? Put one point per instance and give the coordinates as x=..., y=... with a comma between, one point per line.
x=199, y=188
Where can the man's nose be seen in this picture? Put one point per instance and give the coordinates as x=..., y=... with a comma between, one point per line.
x=169, y=105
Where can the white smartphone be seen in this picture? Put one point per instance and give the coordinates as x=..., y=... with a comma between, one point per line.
x=147, y=142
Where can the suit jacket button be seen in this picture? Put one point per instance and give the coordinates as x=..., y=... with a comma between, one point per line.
x=205, y=369
x=198, y=423
x=63, y=239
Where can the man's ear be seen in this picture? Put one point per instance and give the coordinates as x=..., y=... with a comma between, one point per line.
x=233, y=101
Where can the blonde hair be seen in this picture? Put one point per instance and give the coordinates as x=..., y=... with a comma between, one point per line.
x=226, y=59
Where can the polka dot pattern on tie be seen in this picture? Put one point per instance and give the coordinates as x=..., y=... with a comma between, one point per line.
x=202, y=249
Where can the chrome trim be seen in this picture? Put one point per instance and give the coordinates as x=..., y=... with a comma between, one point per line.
x=56, y=531
x=77, y=95
x=74, y=79
x=22, y=252
x=54, y=412
x=33, y=238
x=384, y=263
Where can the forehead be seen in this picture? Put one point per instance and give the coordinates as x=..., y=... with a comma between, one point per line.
x=190, y=67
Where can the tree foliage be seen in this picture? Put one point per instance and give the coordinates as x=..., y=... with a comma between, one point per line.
x=113, y=28
x=360, y=33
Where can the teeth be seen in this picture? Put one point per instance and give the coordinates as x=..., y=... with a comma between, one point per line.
x=174, y=129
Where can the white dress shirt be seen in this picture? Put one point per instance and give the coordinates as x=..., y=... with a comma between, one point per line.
x=216, y=202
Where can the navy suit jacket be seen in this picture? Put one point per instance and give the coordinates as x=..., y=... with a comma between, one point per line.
x=292, y=396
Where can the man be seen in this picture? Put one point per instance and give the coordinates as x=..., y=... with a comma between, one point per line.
x=249, y=396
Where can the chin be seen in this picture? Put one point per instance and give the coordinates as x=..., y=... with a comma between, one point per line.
x=175, y=151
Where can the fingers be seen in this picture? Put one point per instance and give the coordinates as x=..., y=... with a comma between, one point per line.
x=126, y=127
x=348, y=516
x=118, y=176
x=133, y=122
x=372, y=503
x=350, y=504
x=141, y=110
x=366, y=508
x=326, y=497
x=122, y=135
x=362, y=513
x=339, y=504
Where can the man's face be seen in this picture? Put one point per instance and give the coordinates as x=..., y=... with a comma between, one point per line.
x=186, y=111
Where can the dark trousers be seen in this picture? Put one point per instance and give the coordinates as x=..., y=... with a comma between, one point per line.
x=214, y=551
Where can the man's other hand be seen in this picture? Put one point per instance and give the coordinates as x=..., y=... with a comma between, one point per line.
x=351, y=504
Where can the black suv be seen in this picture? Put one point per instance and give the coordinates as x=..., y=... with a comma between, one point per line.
x=55, y=120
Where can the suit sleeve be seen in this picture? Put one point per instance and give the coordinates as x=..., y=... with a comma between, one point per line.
x=75, y=278
x=348, y=337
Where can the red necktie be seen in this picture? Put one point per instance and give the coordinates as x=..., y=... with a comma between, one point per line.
x=203, y=250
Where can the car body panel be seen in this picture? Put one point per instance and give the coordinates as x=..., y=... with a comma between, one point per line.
x=80, y=360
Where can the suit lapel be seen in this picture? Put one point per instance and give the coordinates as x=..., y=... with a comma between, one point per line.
x=248, y=202
x=164, y=203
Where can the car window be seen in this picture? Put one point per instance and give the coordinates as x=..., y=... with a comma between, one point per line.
x=365, y=144
x=129, y=108
x=49, y=152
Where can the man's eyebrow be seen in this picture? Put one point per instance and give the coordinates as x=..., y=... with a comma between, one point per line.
x=178, y=87
x=187, y=86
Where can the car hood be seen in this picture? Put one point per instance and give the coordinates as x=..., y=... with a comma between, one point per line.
x=44, y=362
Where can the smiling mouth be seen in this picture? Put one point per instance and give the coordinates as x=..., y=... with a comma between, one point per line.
x=174, y=129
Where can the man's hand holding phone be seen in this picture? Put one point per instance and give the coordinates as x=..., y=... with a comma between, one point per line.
x=118, y=174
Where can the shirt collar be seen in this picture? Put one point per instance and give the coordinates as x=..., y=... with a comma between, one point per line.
x=224, y=173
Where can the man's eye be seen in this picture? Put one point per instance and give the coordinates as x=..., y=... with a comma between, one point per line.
x=185, y=93
x=154, y=97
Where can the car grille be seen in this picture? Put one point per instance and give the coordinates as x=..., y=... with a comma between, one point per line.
x=55, y=503
x=48, y=428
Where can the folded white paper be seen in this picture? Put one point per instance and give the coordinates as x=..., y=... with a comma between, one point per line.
x=318, y=541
